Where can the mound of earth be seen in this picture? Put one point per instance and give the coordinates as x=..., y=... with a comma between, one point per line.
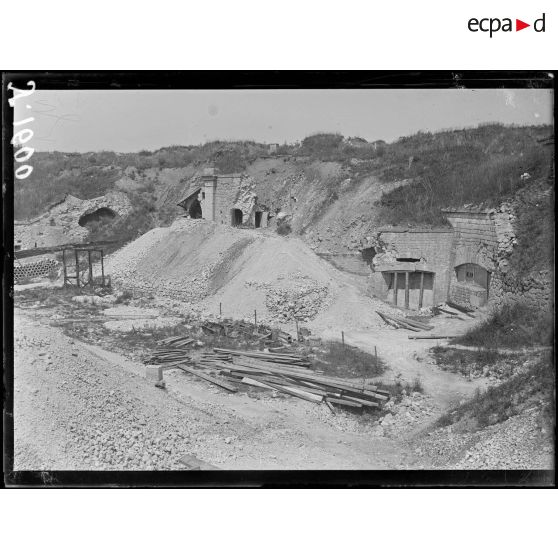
x=240, y=270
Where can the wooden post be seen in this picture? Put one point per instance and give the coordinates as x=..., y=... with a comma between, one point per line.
x=90, y=268
x=421, y=294
x=220, y=309
x=297, y=333
x=255, y=318
x=102, y=269
x=343, y=338
x=64, y=266
x=395, y=288
x=406, y=289
x=77, y=266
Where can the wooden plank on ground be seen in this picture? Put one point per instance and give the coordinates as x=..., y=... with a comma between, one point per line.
x=208, y=377
x=344, y=402
x=291, y=391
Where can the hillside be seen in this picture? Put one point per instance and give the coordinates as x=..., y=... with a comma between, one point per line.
x=335, y=191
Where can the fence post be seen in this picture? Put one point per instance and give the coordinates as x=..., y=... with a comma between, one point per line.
x=255, y=318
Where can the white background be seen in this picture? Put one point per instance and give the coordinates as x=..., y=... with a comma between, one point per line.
x=272, y=34
x=281, y=34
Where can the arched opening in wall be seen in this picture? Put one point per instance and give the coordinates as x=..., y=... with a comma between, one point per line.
x=195, y=209
x=472, y=286
x=258, y=219
x=236, y=217
x=99, y=215
x=368, y=255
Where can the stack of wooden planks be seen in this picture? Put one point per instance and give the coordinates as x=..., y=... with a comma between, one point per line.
x=405, y=323
x=171, y=350
x=286, y=373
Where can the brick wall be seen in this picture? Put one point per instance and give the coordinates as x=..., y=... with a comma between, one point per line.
x=476, y=240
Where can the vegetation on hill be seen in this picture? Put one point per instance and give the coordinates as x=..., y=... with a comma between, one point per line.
x=473, y=166
x=532, y=387
x=477, y=165
x=511, y=326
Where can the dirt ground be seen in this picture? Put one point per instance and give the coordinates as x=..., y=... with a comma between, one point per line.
x=80, y=406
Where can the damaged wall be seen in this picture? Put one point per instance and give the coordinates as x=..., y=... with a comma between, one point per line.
x=60, y=225
x=221, y=195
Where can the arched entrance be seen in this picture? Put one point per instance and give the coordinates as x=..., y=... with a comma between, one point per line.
x=473, y=284
x=236, y=217
x=101, y=214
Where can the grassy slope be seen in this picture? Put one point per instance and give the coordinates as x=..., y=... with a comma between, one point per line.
x=479, y=165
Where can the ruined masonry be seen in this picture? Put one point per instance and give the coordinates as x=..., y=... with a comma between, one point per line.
x=65, y=222
x=225, y=199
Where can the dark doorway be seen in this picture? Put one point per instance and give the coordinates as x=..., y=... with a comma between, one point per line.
x=368, y=255
x=195, y=210
x=258, y=219
x=236, y=217
x=101, y=214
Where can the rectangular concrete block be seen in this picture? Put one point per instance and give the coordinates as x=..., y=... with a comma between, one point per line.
x=154, y=372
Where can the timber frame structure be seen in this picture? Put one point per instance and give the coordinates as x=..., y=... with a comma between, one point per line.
x=78, y=281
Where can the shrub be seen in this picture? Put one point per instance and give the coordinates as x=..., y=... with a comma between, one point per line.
x=284, y=229
x=532, y=387
x=512, y=325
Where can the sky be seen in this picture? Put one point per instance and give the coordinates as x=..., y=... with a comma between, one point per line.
x=131, y=120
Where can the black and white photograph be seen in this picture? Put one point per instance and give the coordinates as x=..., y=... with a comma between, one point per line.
x=281, y=278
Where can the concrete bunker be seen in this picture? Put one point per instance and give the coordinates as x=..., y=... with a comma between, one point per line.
x=411, y=267
x=224, y=199
x=101, y=214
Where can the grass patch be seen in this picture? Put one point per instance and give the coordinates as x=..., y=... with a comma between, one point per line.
x=511, y=326
x=344, y=361
x=531, y=388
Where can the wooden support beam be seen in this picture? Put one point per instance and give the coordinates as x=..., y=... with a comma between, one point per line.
x=421, y=294
x=395, y=288
x=406, y=289
x=65, y=268
x=90, y=266
x=77, y=266
x=102, y=269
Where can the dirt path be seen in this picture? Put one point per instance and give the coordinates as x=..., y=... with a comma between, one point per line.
x=79, y=407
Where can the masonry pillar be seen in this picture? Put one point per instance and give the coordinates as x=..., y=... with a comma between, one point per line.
x=210, y=189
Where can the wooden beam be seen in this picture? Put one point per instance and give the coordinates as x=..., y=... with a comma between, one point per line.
x=406, y=289
x=77, y=266
x=395, y=288
x=421, y=294
x=207, y=377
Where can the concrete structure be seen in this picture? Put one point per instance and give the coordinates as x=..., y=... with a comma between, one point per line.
x=423, y=267
x=225, y=199
x=411, y=267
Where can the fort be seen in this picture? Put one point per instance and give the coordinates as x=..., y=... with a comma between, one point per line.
x=224, y=199
x=414, y=267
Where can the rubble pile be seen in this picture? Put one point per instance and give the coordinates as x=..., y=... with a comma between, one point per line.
x=295, y=297
x=401, y=417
